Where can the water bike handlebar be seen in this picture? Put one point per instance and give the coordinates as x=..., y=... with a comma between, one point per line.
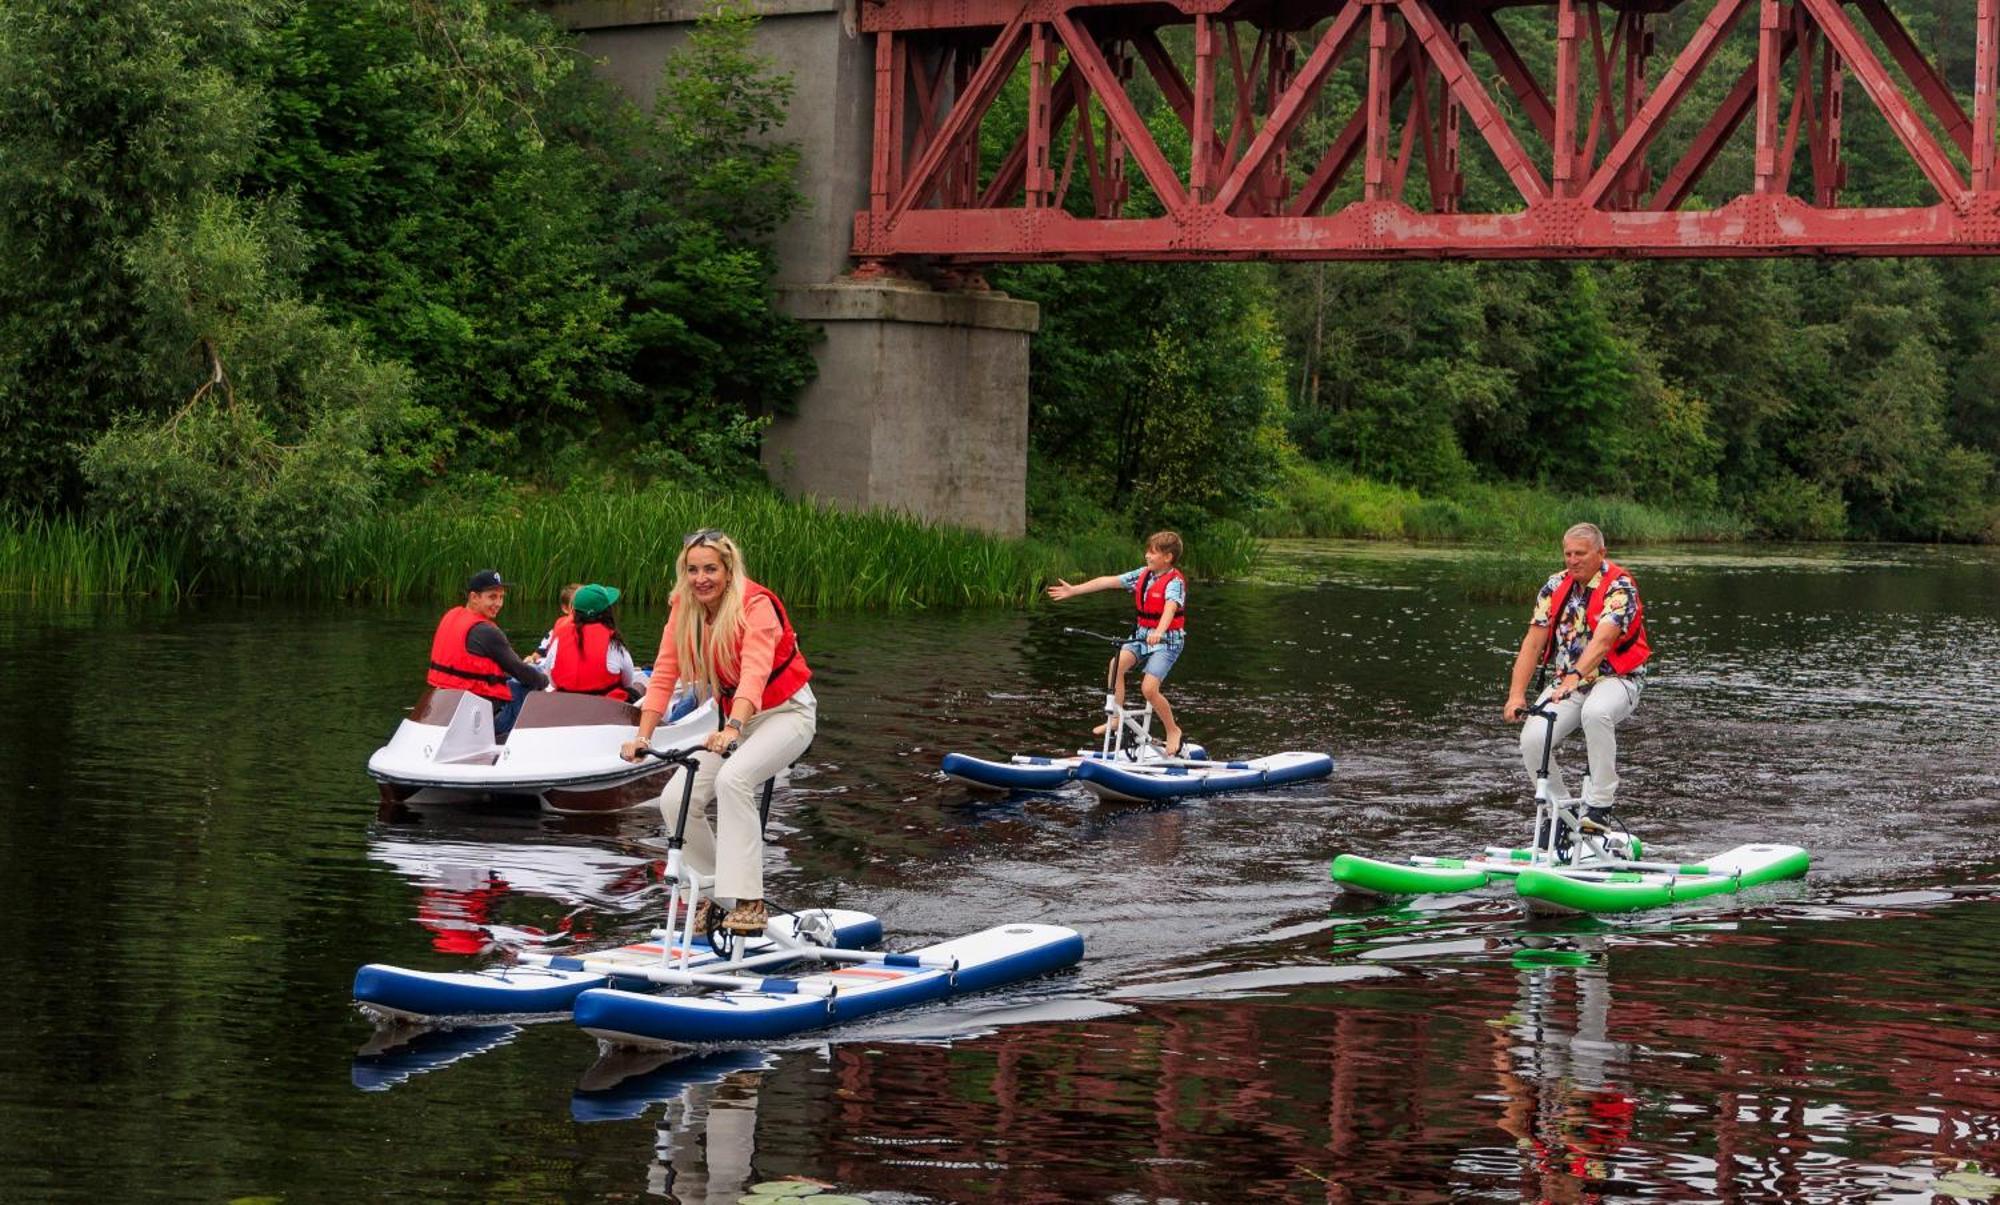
x=684, y=757
x=1096, y=635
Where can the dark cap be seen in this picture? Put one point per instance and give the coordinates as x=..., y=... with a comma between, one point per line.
x=484, y=580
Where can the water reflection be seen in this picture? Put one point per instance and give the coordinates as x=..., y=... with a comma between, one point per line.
x=195, y=896
x=394, y=1054
x=706, y=1139
x=468, y=891
x=1560, y=1075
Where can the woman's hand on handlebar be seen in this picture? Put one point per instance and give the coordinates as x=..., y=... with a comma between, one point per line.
x=631, y=750
x=722, y=740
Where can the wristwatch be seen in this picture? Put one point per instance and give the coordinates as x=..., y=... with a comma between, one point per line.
x=733, y=722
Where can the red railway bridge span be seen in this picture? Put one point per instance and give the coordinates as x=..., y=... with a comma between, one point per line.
x=1340, y=129
x=966, y=132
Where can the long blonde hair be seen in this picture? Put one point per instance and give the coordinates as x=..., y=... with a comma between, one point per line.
x=704, y=647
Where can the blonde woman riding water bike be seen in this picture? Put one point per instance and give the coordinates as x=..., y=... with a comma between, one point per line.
x=730, y=636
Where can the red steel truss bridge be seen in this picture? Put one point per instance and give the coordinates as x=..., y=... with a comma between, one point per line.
x=1603, y=149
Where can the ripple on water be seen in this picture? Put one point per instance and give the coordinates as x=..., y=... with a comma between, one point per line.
x=201, y=891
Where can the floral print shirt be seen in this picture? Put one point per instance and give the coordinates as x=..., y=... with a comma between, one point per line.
x=1571, y=637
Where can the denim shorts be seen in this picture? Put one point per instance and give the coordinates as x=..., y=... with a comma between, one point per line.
x=1157, y=658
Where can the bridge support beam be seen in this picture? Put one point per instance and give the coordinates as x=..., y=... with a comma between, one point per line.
x=921, y=404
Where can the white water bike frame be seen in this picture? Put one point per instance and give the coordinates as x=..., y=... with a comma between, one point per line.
x=1586, y=842
x=811, y=937
x=1121, y=723
x=1118, y=721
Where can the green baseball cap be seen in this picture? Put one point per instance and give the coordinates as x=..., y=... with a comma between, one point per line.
x=593, y=599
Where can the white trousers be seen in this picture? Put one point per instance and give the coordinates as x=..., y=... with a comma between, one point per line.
x=1598, y=712
x=733, y=849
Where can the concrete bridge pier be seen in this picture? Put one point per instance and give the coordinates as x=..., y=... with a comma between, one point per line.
x=921, y=404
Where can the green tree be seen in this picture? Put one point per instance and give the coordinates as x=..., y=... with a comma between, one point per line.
x=1393, y=361
x=289, y=426
x=162, y=305
x=705, y=186
x=114, y=114
x=561, y=270
x=1581, y=390
x=1158, y=386
x=442, y=159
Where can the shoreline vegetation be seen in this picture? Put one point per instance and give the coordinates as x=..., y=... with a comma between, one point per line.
x=820, y=557
x=817, y=556
x=1317, y=502
x=395, y=291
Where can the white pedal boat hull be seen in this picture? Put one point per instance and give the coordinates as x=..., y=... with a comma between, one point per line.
x=563, y=751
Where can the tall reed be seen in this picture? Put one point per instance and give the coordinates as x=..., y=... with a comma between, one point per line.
x=814, y=555
x=68, y=558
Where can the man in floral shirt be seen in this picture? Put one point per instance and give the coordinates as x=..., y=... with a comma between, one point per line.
x=1590, y=623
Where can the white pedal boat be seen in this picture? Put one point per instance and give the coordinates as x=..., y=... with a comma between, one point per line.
x=563, y=751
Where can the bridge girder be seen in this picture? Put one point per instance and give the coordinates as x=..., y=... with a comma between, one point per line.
x=1600, y=156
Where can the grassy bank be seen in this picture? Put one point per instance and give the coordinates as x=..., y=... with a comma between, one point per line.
x=1317, y=502
x=815, y=556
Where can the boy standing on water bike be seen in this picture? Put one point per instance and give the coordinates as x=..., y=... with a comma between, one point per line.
x=1159, y=595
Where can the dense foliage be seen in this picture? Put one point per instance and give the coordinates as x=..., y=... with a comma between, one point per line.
x=1799, y=398
x=263, y=262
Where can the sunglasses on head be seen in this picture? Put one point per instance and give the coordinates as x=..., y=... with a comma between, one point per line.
x=704, y=536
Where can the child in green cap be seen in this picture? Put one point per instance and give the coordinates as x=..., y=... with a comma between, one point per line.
x=586, y=653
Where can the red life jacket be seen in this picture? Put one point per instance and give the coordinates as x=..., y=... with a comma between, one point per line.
x=454, y=668
x=579, y=657
x=788, y=665
x=1149, y=597
x=1629, y=653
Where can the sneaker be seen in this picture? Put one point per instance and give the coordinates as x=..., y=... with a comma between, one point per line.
x=747, y=917
x=1600, y=817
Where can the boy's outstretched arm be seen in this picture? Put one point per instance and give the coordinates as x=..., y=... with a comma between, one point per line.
x=1063, y=589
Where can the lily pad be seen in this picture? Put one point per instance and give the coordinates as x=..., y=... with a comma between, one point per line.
x=1965, y=1184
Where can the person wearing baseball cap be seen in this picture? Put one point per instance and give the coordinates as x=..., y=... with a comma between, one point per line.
x=470, y=652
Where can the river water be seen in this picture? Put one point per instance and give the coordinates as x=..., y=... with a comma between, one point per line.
x=193, y=867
